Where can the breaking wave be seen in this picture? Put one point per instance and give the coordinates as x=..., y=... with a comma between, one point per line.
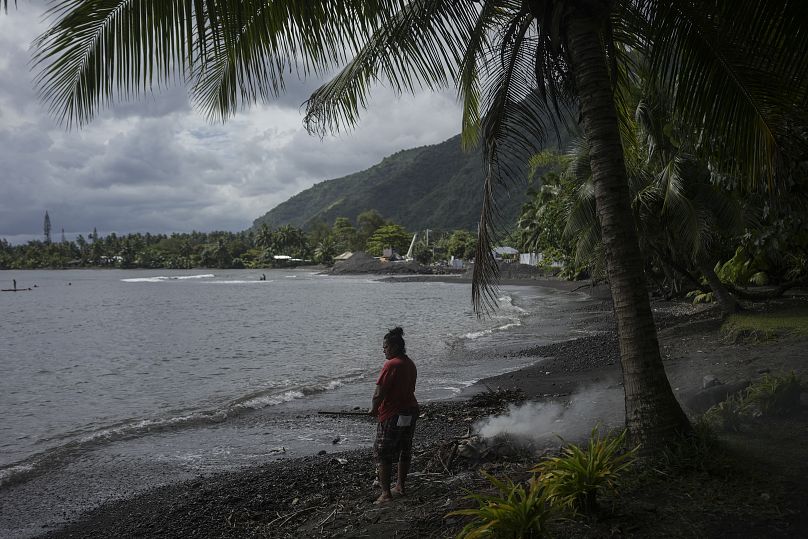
x=79, y=442
x=161, y=278
x=509, y=314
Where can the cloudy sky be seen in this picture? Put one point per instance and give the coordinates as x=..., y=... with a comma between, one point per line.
x=158, y=166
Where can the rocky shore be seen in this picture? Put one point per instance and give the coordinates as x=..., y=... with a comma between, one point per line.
x=330, y=495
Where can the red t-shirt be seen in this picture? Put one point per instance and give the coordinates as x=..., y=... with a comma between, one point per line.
x=397, y=381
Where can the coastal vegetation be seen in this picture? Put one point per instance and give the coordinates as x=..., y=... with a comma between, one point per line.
x=560, y=487
x=699, y=237
x=253, y=248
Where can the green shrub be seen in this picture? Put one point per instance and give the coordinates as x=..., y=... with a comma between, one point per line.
x=515, y=512
x=773, y=395
x=727, y=415
x=575, y=479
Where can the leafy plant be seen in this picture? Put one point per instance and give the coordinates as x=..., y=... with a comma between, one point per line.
x=759, y=279
x=514, y=512
x=726, y=415
x=701, y=297
x=738, y=269
x=574, y=479
x=773, y=395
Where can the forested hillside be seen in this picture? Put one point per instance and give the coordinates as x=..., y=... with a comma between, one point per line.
x=437, y=187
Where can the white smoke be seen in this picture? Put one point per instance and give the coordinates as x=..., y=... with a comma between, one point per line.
x=534, y=421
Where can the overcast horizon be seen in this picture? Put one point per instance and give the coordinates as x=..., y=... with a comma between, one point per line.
x=158, y=166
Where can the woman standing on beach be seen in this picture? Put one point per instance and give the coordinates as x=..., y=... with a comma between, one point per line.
x=396, y=408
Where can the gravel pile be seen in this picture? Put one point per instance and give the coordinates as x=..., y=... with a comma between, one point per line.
x=362, y=262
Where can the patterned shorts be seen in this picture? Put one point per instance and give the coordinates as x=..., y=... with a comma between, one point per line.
x=393, y=442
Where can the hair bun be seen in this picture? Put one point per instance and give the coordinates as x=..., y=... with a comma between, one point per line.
x=397, y=331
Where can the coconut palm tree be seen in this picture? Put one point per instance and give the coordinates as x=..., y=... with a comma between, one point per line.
x=733, y=67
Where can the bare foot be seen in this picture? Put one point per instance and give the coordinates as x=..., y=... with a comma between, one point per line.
x=383, y=499
x=398, y=491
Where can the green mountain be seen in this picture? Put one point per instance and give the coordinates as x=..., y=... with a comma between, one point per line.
x=438, y=187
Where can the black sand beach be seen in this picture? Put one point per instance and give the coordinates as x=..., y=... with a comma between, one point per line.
x=331, y=495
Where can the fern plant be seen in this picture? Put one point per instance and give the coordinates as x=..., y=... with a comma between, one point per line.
x=574, y=479
x=513, y=512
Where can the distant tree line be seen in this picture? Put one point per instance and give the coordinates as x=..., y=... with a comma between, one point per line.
x=254, y=248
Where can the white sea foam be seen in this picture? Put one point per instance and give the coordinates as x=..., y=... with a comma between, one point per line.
x=161, y=278
x=506, y=302
x=482, y=333
x=7, y=474
x=264, y=401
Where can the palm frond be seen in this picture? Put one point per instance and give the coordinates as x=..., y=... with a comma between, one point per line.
x=235, y=51
x=246, y=59
x=491, y=17
x=736, y=70
x=418, y=46
x=506, y=94
x=85, y=55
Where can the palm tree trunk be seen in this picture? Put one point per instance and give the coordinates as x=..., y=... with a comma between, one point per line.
x=653, y=415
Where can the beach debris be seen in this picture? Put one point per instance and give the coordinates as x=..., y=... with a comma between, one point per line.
x=322, y=452
x=339, y=460
x=338, y=413
x=336, y=440
x=496, y=398
x=470, y=448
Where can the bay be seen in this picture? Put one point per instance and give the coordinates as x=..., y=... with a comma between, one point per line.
x=140, y=377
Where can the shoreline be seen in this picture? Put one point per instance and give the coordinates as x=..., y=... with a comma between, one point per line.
x=443, y=422
x=284, y=498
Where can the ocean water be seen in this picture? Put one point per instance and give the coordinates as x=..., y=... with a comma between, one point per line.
x=117, y=380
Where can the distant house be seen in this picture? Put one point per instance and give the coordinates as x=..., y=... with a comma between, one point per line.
x=457, y=263
x=530, y=259
x=505, y=254
x=535, y=259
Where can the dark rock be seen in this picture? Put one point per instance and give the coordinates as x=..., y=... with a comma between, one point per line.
x=701, y=400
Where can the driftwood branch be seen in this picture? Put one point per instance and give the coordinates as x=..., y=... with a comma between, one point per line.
x=290, y=516
x=590, y=284
x=352, y=413
x=334, y=512
x=769, y=294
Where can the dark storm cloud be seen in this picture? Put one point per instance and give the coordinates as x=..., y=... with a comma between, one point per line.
x=156, y=166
